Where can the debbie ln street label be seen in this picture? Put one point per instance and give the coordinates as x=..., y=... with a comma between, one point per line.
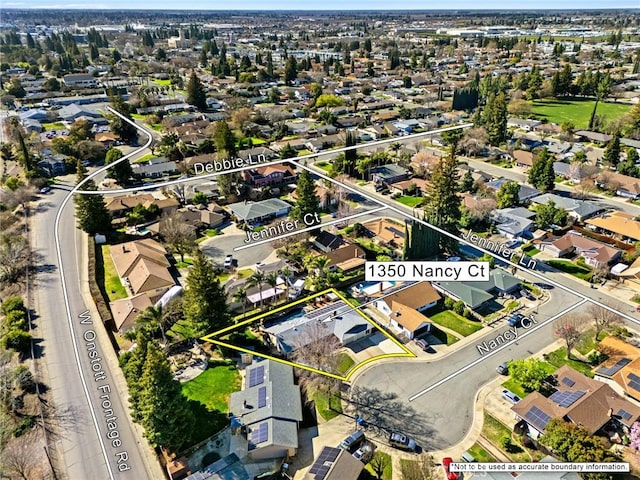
x=426, y=271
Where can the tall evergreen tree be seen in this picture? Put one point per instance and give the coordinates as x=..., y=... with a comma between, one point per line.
x=612, y=151
x=494, y=119
x=290, y=70
x=307, y=200
x=125, y=130
x=164, y=410
x=122, y=172
x=205, y=302
x=224, y=139
x=91, y=211
x=196, y=95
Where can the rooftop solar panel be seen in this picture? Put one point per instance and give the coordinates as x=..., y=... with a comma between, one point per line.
x=568, y=382
x=537, y=418
x=262, y=397
x=324, y=462
x=260, y=433
x=613, y=369
x=566, y=399
x=635, y=385
x=624, y=414
x=256, y=376
x=633, y=377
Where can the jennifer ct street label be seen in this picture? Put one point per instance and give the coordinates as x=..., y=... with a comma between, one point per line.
x=426, y=271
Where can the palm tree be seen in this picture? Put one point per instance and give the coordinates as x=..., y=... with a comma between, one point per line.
x=394, y=147
x=285, y=273
x=152, y=319
x=272, y=280
x=256, y=279
x=241, y=297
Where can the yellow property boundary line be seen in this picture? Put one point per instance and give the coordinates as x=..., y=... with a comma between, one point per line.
x=211, y=338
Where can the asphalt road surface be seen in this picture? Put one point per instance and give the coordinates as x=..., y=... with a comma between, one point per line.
x=99, y=428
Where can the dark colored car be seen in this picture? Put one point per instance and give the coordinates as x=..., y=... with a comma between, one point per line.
x=402, y=441
x=503, y=368
x=515, y=320
x=423, y=344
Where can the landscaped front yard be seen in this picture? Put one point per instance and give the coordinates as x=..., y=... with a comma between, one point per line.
x=518, y=389
x=455, y=322
x=558, y=358
x=112, y=284
x=411, y=202
x=213, y=386
x=327, y=407
x=584, y=273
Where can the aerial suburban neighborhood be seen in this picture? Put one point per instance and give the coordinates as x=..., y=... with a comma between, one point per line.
x=211, y=223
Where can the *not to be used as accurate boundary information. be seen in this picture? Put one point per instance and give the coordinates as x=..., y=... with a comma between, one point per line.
x=590, y=467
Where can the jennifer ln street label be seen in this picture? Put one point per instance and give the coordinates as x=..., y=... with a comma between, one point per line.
x=426, y=271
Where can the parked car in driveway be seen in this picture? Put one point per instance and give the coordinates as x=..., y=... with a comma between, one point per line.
x=446, y=464
x=503, y=368
x=423, y=344
x=509, y=396
x=353, y=441
x=364, y=453
x=402, y=441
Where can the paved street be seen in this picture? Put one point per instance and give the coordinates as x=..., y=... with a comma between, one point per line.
x=83, y=447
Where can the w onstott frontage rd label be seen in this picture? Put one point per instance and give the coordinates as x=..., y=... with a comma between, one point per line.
x=227, y=164
x=426, y=271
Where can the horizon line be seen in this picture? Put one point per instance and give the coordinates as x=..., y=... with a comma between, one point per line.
x=345, y=10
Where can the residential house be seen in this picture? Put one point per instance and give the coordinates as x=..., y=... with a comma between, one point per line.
x=523, y=123
x=155, y=168
x=268, y=410
x=327, y=242
x=595, y=253
x=388, y=174
x=53, y=165
x=621, y=370
x=79, y=80
x=121, y=205
x=578, y=399
x=201, y=218
x=337, y=320
x=595, y=137
x=73, y=112
x=525, y=193
x=404, y=308
x=622, y=185
x=387, y=232
x=475, y=294
x=143, y=267
x=270, y=175
x=579, y=210
x=262, y=211
x=523, y=158
x=334, y=464
x=126, y=310
x=321, y=143
x=620, y=225
x=412, y=186
x=346, y=258
x=407, y=126
x=631, y=275
x=513, y=222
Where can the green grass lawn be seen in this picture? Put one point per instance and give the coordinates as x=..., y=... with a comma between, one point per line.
x=328, y=408
x=480, y=454
x=112, y=284
x=530, y=250
x=162, y=83
x=145, y=158
x=54, y=126
x=571, y=268
x=455, y=322
x=518, y=389
x=213, y=387
x=587, y=342
x=495, y=431
x=257, y=141
x=558, y=358
x=411, y=202
x=345, y=362
x=577, y=111
x=324, y=165
x=444, y=337
x=387, y=473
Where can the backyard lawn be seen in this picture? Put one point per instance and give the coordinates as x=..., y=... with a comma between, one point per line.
x=455, y=322
x=328, y=408
x=112, y=284
x=577, y=111
x=571, y=268
x=213, y=387
x=558, y=358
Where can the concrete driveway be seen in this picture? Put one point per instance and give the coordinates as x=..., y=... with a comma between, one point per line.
x=218, y=247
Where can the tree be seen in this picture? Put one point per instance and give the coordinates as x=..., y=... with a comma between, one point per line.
x=153, y=319
x=122, y=172
x=91, y=211
x=541, y=173
x=632, y=155
x=379, y=463
x=634, y=436
x=196, y=95
x=612, y=151
x=22, y=458
x=548, y=214
x=240, y=296
x=307, y=201
x=288, y=151
x=179, y=236
x=603, y=318
x=126, y=130
x=80, y=130
x=508, y=195
x=204, y=301
x=327, y=100
x=443, y=203
x=15, y=256
x=224, y=140
x=165, y=414
x=569, y=328
x=494, y=118
x=257, y=279
x=528, y=372
x=290, y=70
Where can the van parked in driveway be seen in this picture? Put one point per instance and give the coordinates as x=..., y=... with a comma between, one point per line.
x=353, y=441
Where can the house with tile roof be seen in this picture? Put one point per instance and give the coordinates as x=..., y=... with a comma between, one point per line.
x=126, y=310
x=622, y=369
x=475, y=294
x=269, y=175
x=623, y=185
x=594, y=253
x=387, y=232
x=578, y=399
x=405, y=308
x=619, y=225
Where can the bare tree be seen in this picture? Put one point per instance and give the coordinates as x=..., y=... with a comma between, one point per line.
x=15, y=255
x=569, y=328
x=474, y=141
x=178, y=235
x=603, y=318
x=23, y=458
x=378, y=463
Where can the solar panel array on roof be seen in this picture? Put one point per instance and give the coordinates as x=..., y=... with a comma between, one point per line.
x=613, y=369
x=634, y=381
x=624, y=414
x=566, y=399
x=256, y=376
x=568, y=382
x=396, y=232
x=262, y=397
x=260, y=433
x=324, y=462
x=326, y=310
x=537, y=417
